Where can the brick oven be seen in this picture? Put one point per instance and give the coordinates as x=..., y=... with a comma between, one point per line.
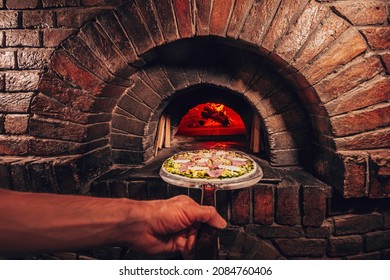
x=86, y=87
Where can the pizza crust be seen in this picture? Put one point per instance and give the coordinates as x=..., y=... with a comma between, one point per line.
x=211, y=165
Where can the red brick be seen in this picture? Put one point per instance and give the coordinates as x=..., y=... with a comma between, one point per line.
x=287, y=204
x=134, y=26
x=380, y=176
x=128, y=142
x=33, y=58
x=292, y=119
x=59, y=3
x=8, y=19
x=130, y=125
x=127, y=157
x=314, y=206
x=362, y=12
x=351, y=75
x=102, y=2
x=17, y=4
x=330, y=28
x=238, y=17
x=22, y=80
x=302, y=247
x=166, y=16
x=148, y=13
x=184, y=16
x=349, y=45
x=344, y=246
x=38, y=19
x=262, y=12
x=300, y=31
x=368, y=140
x=357, y=224
x=64, y=65
x=219, y=16
x=110, y=24
x=263, y=205
x=377, y=240
x=287, y=13
x=241, y=203
x=16, y=124
x=157, y=80
x=377, y=37
x=75, y=18
x=368, y=94
x=7, y=59
x=361, y=121
x=102, y=47
x=50, y=147
x=324, y=231
x=13, y=145
x=202, y=16
x=22, y=38
x=17, y=102
x=53, y=37
x=2, y=120
x=276, y=231
x=355, y=170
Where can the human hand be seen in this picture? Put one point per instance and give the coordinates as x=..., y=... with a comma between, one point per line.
x=166, y=226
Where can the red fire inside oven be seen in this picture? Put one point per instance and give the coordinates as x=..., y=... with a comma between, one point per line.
x=211, y=119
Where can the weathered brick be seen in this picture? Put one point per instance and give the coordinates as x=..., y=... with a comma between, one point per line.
x=263, y=205
x=16, y=124
x=287, y=204
x=8, y=19
x=157, y=79
x=100, y=189
x=17, y=102
x=75, y=18
x=147, y=10
x=357, y=224
x=377, y=240
x=59, y=3
x=109, y=22
x=138, y=190
x=101, y=2
x=287, y=12
x=238, y=17
x=133, y=24
x=127, y=157
x=13, y=145
x=164, y=11
x=93, y=164
x=324, y=231
x=377, y=37
x=291, y=119
x=22, y=38
x=362, y=12
x=22, y=81
x=260, y=17
x=38, y=19
x=2, y=120
x=7, y=59
x=123, y=141
x=26, y=4
x=130, y=125
x=326, y=32
x=386, y=61
x=386, y=219
x=300, y=31
x=33, y=58
x=184, y=15
x=50, y=147
x=355, y=169
x=379, y=166
x=241, y=203
x=369, y=256
x=349, y=45
x=52, y=37
x=219, y=16
x=371, y=93
x=20, y=178
x=135, y=108
x=314, y=206
x=361, y=121
x=346, y=245
x=351, y=75
x=119, y=189
x=368, y=140
x=276, y=231
x=203, y=8
x=301, y=247
x=67, y=67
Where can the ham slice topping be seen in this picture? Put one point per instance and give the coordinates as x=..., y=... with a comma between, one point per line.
x=215, y=173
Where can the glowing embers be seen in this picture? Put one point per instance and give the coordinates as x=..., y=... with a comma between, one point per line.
x=211, y=119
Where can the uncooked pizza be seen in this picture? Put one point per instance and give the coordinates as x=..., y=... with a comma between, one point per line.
x=210, y=164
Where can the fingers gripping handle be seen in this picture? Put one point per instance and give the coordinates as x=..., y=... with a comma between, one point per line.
x=206, y=247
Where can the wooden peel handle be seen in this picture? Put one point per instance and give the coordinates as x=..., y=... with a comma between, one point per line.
x=206, y=247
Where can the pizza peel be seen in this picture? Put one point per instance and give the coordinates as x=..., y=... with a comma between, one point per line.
x=207, y=238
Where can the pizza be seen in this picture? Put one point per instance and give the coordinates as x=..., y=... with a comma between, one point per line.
x=210, y=164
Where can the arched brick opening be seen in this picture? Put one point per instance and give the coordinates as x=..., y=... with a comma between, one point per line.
x=309, y=45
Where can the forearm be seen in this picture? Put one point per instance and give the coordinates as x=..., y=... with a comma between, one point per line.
x=46, y=222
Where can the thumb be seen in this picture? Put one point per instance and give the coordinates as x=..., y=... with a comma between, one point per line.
x=210, y=216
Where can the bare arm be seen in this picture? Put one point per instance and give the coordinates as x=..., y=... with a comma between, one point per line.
x=35, y=222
